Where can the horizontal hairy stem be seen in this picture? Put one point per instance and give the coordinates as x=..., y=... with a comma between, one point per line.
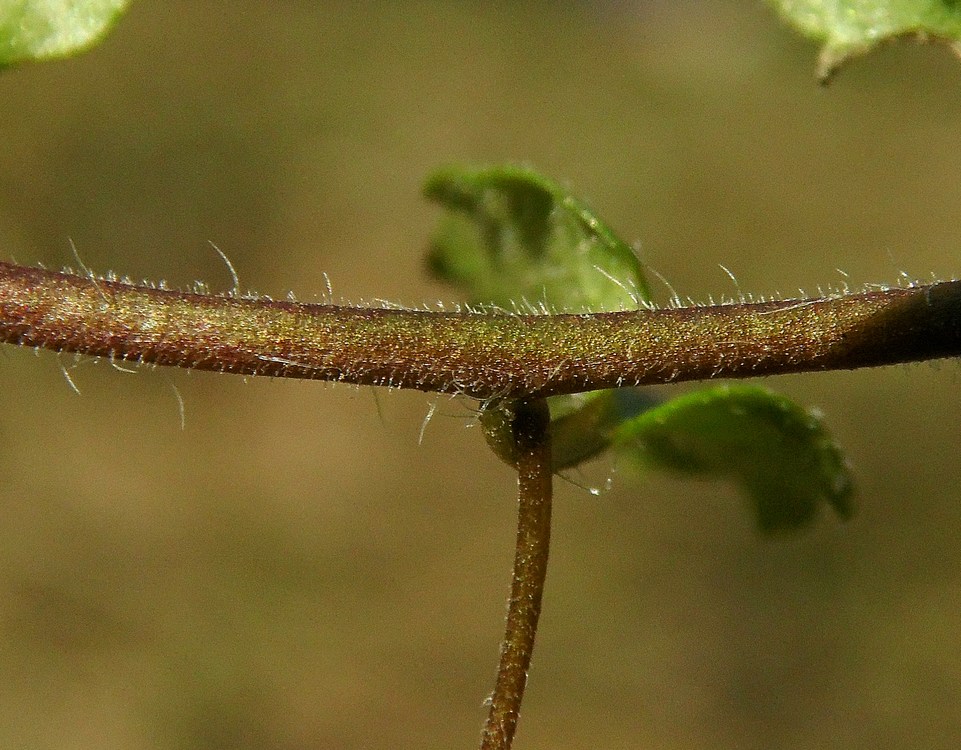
x=482, y=355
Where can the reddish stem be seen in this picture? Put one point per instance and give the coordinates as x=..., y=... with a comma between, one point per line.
x=534, y=488
x=511, y=356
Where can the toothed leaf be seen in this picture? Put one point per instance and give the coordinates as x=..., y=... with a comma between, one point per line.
x=511, y=236
x=53, y=28
x=847, y=28
x=780, y=454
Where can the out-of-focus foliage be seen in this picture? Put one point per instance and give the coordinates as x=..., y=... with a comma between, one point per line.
x=514, y=239
x=848, y=28
x=53, y=28
x=512, y=235
x=780, y=454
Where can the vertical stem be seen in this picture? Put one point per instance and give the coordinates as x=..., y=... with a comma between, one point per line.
x=531, y=426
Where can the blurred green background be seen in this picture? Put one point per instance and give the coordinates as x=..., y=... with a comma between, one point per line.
x=295, y=569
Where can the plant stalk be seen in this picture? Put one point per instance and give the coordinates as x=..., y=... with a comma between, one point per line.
x=480, y=355
x=531, y=426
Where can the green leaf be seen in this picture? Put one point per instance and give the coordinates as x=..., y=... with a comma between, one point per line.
x=514, y=239
x=34, y=30
x=847, y=28
x=779, y=453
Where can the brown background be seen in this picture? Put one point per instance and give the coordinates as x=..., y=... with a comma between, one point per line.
x=293, y=569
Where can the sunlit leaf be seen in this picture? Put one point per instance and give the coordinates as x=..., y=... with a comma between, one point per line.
x=42, y=29
x=780, y=454
x=847, y=28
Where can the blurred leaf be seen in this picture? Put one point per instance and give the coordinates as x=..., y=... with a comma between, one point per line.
x=848, y=28
x=511, y=236
x=778, y=452
x=53, y=28
x=514, y=239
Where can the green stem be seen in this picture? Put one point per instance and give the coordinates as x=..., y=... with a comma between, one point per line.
x=531, y=425
x=485, y=356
